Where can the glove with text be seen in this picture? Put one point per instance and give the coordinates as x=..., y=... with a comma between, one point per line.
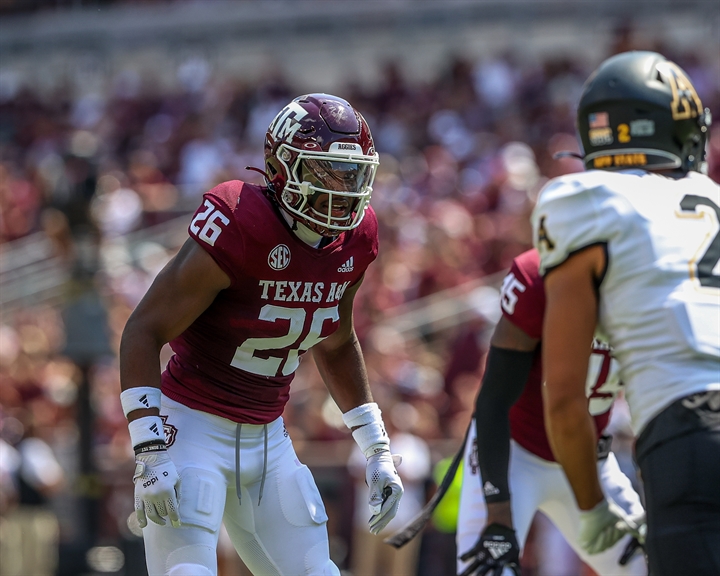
x=156, y=489
x=386, y=488
x=496, y=549
x=605, y=524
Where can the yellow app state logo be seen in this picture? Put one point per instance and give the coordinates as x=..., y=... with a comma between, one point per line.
x=685, y=101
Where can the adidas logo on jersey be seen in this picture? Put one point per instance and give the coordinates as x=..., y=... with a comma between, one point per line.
x=490, y=489
x=348, y=266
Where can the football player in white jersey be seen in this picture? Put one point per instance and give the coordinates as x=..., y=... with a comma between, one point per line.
x=630, y=248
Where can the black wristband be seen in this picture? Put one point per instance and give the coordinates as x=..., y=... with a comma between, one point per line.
x=506, y=374
x=151, y=446
x=496, y=529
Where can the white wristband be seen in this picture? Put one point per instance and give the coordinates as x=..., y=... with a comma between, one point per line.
x=361, y=415
x=371, y=436
x=147, y=429
x=139, y=398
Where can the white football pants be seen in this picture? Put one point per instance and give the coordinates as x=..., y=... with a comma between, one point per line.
x=536, y=484
x=284, y=534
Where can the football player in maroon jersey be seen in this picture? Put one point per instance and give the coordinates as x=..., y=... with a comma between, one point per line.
x=267, y=274
x=509, y=434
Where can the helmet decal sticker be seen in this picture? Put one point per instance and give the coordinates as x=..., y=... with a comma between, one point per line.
x=600, y=136
x=624, y=133
x=286, y=124
x=642, y=128
x=598, y=120
x=600, y=133
x=685, y=101
x=621, y=160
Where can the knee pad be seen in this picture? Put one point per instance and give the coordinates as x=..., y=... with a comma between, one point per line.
x=190, y=570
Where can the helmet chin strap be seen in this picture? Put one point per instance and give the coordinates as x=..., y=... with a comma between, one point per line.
x=265, y=174
x=310, y=237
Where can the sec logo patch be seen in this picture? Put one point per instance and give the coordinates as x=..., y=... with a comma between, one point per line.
x=279, y=257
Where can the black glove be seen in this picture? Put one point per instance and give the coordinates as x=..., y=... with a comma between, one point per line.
x=496, y=549
x=632, y=547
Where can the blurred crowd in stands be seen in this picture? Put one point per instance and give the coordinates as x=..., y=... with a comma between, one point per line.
x=462, y=160
x=29, y=6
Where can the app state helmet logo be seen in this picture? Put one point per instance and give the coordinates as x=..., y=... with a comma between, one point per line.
x=685, y=101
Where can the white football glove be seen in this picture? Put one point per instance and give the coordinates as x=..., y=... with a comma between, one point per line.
x=386, y=488
x=605, y=524
x=157, y=484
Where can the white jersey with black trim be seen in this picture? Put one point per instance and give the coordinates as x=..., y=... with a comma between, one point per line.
x=660, y=296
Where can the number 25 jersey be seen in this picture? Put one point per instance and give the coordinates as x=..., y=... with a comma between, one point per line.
x=238, y=358
x=659, y=300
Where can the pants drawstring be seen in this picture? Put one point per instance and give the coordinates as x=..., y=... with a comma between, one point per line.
x=264, y=473
x=238, y=432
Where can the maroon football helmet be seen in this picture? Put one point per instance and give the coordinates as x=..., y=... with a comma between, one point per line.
x=321, y=162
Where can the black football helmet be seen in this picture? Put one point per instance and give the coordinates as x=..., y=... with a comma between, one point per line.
x=639, y=109
x=320, y=163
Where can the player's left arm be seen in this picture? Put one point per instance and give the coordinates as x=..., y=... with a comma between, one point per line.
x=340, y=362
x=570, y=320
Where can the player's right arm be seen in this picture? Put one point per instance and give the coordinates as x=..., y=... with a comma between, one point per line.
x=508, y=366
x=181, y=292
x=507, y=369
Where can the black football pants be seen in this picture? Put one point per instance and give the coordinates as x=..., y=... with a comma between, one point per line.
x=679, y=458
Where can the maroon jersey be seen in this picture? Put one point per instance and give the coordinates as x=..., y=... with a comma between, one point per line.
x=523, y=304
x=238, y=357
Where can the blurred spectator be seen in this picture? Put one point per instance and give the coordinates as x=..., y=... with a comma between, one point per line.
x=29, y=529
x=116, y=209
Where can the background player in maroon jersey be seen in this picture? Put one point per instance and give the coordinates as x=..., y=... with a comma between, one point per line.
x=509, y=433
x=267, y=274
